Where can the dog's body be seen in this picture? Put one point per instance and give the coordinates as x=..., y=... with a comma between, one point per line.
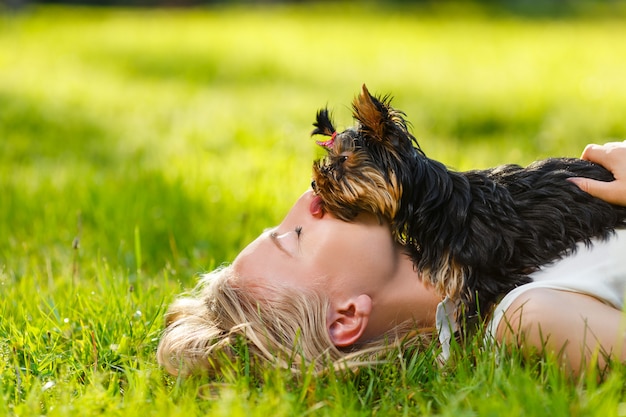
x=475, y=235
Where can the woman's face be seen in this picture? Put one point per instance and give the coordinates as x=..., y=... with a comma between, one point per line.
x=313, y=249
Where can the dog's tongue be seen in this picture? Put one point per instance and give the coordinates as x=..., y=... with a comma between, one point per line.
x=317, y=207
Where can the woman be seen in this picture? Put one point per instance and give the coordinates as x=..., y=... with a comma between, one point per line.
x=319, y=290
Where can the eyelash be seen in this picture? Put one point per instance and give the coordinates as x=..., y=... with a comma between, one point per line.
x=298, y=230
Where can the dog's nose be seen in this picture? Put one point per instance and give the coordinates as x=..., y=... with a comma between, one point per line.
x=314, y=186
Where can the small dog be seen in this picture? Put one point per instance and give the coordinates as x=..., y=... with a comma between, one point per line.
x=474, y=235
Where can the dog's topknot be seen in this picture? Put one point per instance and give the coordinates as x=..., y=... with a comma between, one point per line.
x=323, y=123
x=324, y=126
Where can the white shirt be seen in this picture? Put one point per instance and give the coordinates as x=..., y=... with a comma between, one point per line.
x=598, y=271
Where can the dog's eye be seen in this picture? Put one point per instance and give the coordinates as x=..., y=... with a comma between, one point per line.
x=343, y=158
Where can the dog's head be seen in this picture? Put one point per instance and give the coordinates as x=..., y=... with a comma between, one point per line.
x=366, y=164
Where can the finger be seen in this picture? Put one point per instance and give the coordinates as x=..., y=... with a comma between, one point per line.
x=591, y=150
x=600, y=189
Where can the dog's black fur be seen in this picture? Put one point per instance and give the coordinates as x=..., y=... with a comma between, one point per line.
x=493, y=226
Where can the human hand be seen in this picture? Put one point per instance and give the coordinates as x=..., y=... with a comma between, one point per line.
x=612, y=156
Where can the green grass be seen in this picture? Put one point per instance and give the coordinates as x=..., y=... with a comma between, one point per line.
x=139, y=148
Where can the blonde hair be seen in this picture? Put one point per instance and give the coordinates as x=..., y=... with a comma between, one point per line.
x=284, y=327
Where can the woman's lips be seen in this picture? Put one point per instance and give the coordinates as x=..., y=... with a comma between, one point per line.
x=317, y=207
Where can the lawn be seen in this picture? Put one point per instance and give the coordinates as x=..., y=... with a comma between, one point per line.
x=140, y=148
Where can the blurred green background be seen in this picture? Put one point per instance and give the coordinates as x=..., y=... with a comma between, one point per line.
x=142, y=146
x=188, y=127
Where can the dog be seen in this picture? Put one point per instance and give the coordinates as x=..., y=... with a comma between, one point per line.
x=475, y=235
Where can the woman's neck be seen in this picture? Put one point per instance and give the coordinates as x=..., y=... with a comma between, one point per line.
x=404, y=297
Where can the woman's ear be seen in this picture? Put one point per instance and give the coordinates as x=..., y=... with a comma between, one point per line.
x=347, y=322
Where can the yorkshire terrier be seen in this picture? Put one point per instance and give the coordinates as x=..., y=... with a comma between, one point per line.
x=474, y=235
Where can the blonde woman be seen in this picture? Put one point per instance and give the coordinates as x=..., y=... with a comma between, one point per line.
x=320, y=290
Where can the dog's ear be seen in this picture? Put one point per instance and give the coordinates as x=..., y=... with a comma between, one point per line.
x=323, y=124
x=371, y=112
x=376, y=115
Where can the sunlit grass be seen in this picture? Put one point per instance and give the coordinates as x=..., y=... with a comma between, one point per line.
x=139, y=148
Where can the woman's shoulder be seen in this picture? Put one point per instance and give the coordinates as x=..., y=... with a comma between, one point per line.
x=566, y=324
x=537, y=306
